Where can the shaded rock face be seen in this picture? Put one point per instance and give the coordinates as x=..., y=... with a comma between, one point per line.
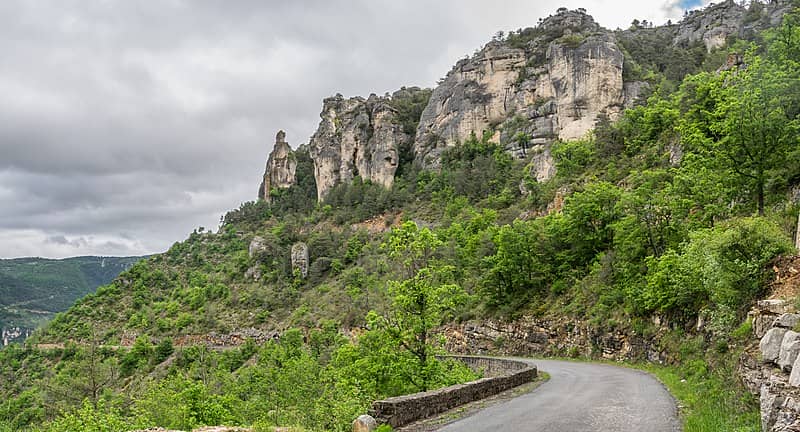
x=356, y=137
x=281, y=167
x=559, y=83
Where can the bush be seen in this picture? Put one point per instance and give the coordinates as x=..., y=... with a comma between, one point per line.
x=724, y=267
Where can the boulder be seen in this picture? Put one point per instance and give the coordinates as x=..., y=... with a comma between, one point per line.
x=770, y=344
x=790, y=347
x=364, y=423
x=257, y=246
x=300, y=258
x=770, y=405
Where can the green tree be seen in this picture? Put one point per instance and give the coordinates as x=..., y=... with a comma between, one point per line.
x=519, y=269
x=757, y=135
x=422, y=296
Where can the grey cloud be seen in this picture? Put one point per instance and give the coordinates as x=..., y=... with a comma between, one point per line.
x=124, y=124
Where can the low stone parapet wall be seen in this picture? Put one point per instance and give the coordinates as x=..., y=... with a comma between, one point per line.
x=501, y=374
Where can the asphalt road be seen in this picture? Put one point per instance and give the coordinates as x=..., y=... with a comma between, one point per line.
x=581, y=397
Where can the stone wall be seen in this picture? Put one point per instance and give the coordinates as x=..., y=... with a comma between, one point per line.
x=502, y=374
x=770, y=369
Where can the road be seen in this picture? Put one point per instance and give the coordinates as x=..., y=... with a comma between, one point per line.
x=581, y=397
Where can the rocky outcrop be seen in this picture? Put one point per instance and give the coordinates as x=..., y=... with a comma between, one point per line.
x=257, y=246
x=356, y=137
x=300, y=258
x=557, y=78
x=714, y=24
x=560, y=76
x=281, y=167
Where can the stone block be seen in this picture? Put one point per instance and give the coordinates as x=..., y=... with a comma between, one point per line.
x=770, y=344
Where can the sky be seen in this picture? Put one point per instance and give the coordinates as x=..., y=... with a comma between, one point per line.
x=126, y=124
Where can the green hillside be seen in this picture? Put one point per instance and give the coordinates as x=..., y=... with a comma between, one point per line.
x=32, y=290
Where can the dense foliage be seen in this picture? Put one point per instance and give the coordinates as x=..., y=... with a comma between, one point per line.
x=320, y=384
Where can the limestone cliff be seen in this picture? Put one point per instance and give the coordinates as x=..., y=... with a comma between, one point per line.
x=281, y=167
x=552, y=81
x=356, y=137
x=558, y=77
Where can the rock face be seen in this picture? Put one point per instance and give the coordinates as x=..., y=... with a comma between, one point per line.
x=281, y=167
x=560, y=78
x=300, y=258
x=356, y=137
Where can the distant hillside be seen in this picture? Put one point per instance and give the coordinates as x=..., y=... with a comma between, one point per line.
x=32, y=290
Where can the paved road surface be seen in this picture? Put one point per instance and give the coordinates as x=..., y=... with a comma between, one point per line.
x=581, y=397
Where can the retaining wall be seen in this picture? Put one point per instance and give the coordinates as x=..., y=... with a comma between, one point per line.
x=501, y=375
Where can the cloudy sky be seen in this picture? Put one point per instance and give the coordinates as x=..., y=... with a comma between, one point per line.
x=126, y=124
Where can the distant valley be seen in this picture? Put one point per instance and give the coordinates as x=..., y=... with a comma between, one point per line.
x=33, y=290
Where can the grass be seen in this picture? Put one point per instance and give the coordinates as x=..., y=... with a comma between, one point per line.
x=712, y=401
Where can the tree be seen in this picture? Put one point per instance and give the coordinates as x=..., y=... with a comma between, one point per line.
x=85, y=377
x=518, y=270
x=422, y=296
x=757, y=135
